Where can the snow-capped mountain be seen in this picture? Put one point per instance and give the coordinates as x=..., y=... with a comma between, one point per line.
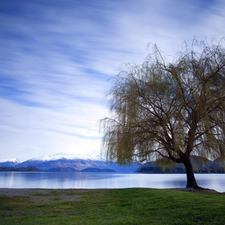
x=75, y=162
x=9, y=162
x=71, y=156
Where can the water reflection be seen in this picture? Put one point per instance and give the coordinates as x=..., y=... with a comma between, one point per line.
x=105, y=180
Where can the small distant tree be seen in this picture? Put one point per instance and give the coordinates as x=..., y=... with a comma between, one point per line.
x=169, y=110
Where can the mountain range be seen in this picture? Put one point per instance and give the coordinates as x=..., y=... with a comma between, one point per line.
x=89, y=163
x=70, y=163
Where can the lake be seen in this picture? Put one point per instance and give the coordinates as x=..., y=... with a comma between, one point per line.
x=91, y=180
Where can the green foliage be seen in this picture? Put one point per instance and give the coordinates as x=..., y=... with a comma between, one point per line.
x=119, y=206
x=169, y=109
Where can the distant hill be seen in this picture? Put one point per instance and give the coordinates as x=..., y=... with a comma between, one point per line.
x=219, y=165
x=200, y=165
x=62, y=169
x=27, y=169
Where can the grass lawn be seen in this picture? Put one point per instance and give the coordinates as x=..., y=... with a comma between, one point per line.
x=116, y=206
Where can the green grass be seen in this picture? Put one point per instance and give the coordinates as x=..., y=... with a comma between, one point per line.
x=118, y=206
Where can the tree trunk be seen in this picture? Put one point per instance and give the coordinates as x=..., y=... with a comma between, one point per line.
x=191, y=182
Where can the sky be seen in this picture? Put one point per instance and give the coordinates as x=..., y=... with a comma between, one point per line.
x=57, y=56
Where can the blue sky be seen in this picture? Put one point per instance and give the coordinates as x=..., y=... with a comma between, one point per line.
x=57, y=56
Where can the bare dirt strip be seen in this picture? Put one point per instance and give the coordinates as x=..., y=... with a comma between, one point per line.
x=45, y=196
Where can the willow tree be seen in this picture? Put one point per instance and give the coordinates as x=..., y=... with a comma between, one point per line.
x=169, y=110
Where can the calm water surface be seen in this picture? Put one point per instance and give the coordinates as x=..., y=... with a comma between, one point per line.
x=105, y=180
